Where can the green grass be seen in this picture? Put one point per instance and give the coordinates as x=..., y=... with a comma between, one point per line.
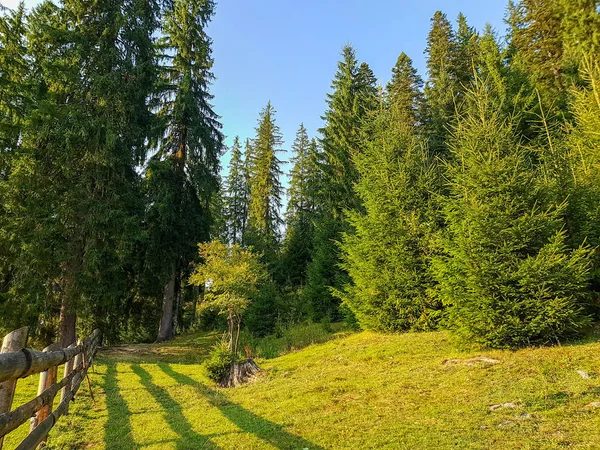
x=359, y=391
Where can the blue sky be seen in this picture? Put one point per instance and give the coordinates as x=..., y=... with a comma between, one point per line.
x=286, y=51
x=277, y=50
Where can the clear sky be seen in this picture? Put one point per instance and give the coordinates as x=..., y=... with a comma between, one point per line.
x=286, y=51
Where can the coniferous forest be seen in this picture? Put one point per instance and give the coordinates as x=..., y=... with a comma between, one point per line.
x=466, y=198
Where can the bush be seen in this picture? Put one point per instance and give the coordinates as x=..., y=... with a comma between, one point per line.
x=219, y=361
x=290, y=338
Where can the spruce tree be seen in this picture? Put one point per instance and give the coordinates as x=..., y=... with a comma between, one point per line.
x=404, y=92
x=219, y=216
x=246, y=172
x=301, y=208
x=465, y=56
x=581, y=28
x=182, y=176
x=354, y=95
x=507, y=278
x=442, y=85
x=537, y=41
x=264, y=173
x=15, y=99
x=15, y=91
x=579, y=163
x=74, y=234
x=300, y=201
x=350, y=103
x=387, y=255
x=236, y=208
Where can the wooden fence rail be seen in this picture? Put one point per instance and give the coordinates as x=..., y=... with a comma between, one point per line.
x=19, y=362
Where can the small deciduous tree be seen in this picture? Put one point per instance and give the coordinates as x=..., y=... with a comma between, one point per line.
x=230, y=275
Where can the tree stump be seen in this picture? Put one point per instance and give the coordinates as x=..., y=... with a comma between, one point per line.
x=240, y=373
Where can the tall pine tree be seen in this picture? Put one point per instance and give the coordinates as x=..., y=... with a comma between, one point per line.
x=182, y=176
x=236, y=207
x=301, y=209
x=387, y=253
x=264, y=181
x=350, y=103
x=507, y=278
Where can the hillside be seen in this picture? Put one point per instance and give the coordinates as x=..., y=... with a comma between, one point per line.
x=363, y=390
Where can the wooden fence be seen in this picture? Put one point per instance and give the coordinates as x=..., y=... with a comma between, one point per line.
x=16, y=362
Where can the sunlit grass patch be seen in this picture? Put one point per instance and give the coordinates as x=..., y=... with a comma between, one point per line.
x=364, y=390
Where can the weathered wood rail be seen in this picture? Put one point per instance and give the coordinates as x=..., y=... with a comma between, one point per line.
x=16, y=362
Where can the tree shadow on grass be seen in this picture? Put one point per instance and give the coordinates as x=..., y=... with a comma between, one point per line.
x=117, y=431
x=246, y=420
x=189, y=439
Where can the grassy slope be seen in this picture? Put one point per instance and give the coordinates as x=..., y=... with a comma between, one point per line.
x=360, y=391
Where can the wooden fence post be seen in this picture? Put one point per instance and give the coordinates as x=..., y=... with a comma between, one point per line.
x=67, y=389
x=47, y=379
x=73, y=364
x=12, y=342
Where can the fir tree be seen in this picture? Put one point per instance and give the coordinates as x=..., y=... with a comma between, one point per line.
x=301, y=208
x=353, y=97
x=236, y=195
x=264, y=172
x=508, y=278
x=183, y=175
x=404, y=91
x=442, y=85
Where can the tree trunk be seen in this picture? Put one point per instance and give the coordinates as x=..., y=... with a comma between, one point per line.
x=230, y=330
x=165, y=331
x=67, y=324
x=176, y=322
x=195, y=295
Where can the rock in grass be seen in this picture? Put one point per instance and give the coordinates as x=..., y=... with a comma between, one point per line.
x=471, y=361
x=506, y=423
x=583, y=374
x=593, y=405
x=503, y=405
